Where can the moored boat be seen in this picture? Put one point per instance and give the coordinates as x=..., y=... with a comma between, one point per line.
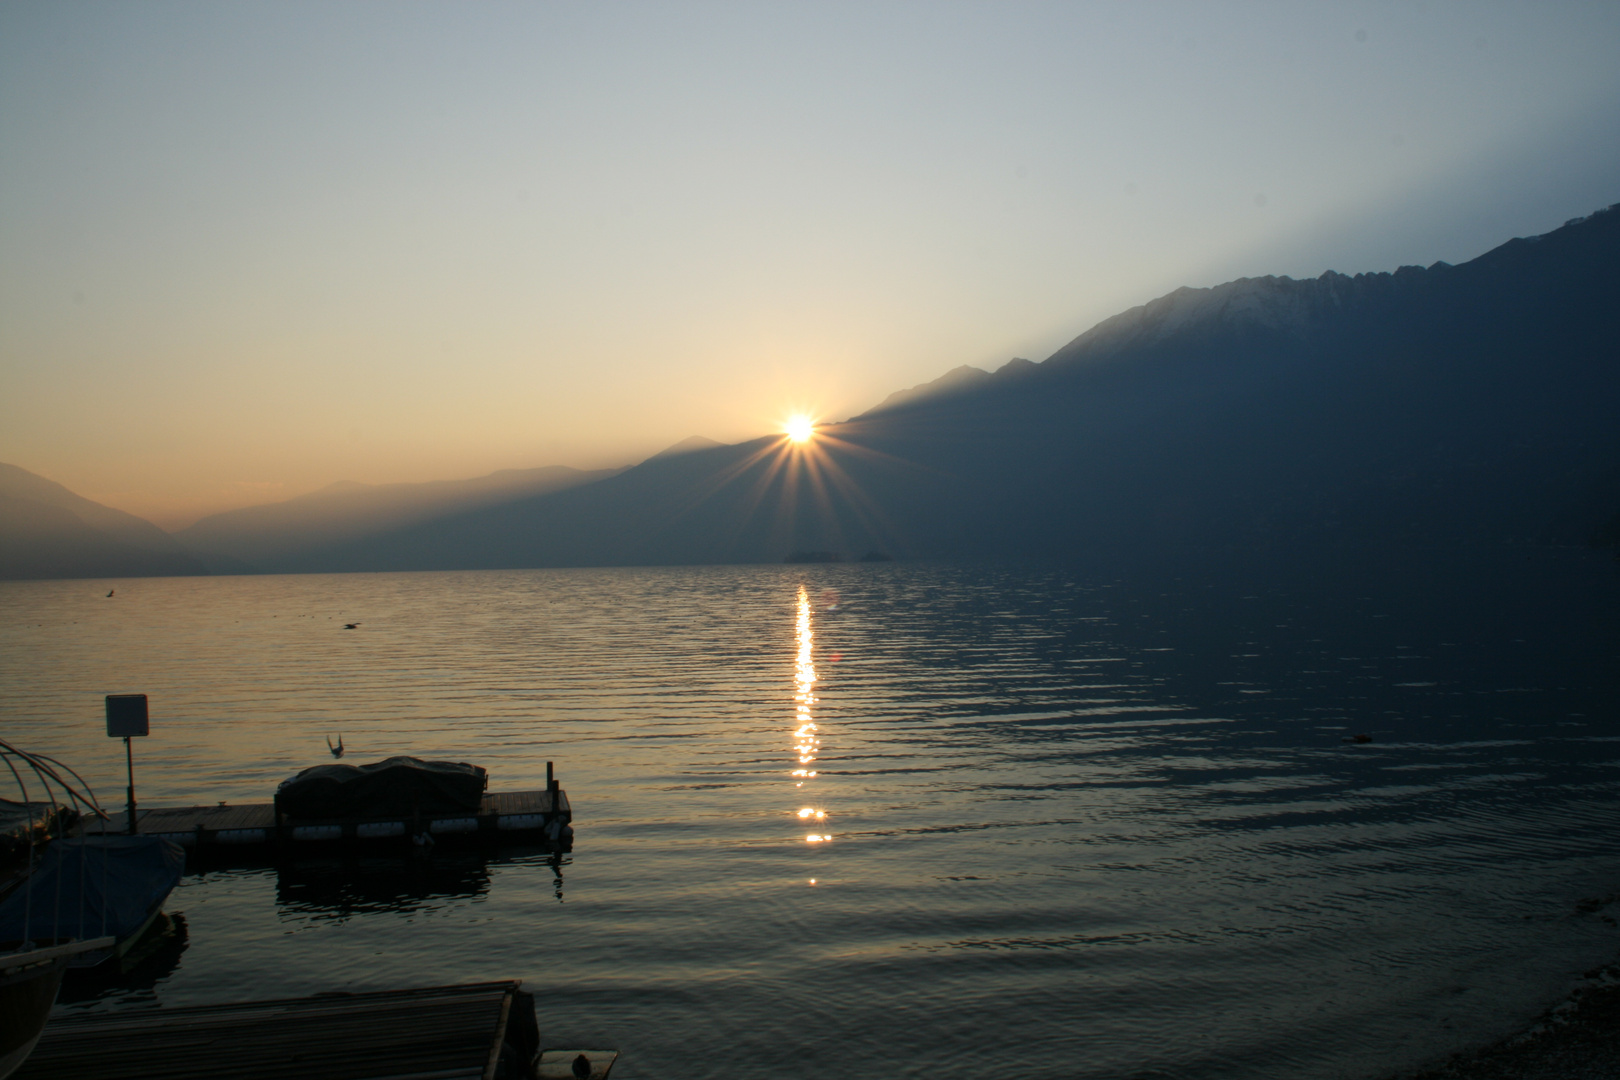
x=37, y=950
x=29, y=979
x=94, y=887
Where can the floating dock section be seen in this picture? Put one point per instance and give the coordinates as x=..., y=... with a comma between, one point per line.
x=527, y=815
x=478, y=1031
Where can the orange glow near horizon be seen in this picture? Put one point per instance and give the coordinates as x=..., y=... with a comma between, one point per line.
x=800, y=429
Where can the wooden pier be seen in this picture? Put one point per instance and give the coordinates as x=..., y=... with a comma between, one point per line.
x=478, y=1031
x=517, y=815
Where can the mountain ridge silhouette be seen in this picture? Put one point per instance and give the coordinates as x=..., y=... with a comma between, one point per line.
x=1446, y=408
x=47, y=531
x=1440, y=407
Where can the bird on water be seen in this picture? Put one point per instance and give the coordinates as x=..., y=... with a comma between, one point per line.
x=337, y=751
x=111, y=591
x=350, y=625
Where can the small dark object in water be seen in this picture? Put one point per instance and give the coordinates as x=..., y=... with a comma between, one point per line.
x=813, y=557
x=572, y=1064
x=111, y=591
x=350, y=625
x=1358, y=738
x=337, y=751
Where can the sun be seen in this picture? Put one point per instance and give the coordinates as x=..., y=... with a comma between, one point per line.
x=800, y=428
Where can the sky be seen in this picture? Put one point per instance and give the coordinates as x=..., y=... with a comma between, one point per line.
x=251, y=249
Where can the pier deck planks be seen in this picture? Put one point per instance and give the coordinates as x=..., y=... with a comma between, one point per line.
x=446, y=1032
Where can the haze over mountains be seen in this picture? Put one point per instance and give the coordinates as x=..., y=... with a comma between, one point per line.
x=46, y=531
x=1447, y=408
x=290, y=536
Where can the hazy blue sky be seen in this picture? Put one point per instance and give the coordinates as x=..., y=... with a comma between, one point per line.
x=248, y=249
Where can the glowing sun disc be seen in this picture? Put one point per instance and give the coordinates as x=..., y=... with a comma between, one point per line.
x=800, y=428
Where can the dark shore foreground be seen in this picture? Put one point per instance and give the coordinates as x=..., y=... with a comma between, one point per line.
x=1579, y=1039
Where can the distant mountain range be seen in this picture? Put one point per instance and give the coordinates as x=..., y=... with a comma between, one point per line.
x=46, y=531
x=1448, y=408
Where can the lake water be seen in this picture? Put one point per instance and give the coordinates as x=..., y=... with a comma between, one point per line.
x=887, y=819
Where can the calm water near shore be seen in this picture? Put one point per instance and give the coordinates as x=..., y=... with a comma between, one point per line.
x=879, y=820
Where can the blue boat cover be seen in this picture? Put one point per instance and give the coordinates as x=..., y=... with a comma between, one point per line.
x=92, y=887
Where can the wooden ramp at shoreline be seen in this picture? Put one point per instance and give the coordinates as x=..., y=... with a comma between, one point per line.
x=470, y=1032
x=247, y=825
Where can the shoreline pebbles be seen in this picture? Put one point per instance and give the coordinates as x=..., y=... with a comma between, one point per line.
x=1578, y=1039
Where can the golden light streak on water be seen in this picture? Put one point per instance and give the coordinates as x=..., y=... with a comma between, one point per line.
x=805, y=743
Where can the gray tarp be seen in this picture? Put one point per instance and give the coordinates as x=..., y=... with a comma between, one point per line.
x=397, y=787
x=91, y=887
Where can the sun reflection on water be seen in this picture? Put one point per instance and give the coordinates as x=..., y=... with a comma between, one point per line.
x=805, y=743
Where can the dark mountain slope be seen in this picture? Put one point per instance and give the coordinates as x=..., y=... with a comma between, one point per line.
x=713, y=505
x=687, y=446
x=955, y=381
x=46, y=531
x=1448, y=408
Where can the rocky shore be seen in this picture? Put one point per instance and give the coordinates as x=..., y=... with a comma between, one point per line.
x=1579, y=1039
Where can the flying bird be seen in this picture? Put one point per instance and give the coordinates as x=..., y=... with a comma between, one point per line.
x=350, y=625
x=337, y=751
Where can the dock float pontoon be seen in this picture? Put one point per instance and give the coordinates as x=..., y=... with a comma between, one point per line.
x=517, y=815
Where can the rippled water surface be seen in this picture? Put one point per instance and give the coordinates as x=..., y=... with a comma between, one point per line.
x=881, y=820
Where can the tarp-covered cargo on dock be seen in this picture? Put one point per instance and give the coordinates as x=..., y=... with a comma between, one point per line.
x=397, y=787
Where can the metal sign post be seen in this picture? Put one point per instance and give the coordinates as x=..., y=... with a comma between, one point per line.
x=126, y=717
